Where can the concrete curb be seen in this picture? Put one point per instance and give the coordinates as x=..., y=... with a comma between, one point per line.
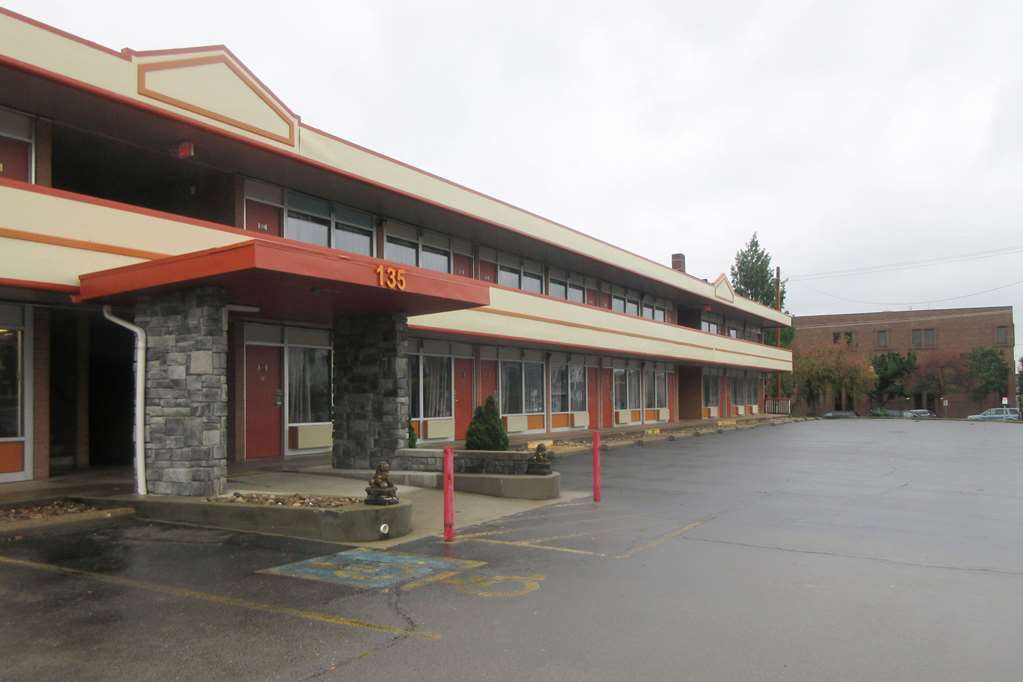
x=29, y=525
x=358, y=523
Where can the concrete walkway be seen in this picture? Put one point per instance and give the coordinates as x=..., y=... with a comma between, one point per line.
x=427, y=504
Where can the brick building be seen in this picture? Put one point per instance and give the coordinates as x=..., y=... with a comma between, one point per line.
x=191, y=276
x=939, y=338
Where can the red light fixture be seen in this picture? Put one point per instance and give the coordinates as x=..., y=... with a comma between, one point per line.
x=706, y=307
x=186, y=150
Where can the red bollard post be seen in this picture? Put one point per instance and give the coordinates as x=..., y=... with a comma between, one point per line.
x=449, y=494
x=596, y=466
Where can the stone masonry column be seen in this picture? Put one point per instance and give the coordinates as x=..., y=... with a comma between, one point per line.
x=371, y=389
x=186, y=391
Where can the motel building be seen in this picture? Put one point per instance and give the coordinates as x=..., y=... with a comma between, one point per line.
x=191, y=277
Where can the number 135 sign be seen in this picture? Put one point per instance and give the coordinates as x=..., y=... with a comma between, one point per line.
x=391, y=278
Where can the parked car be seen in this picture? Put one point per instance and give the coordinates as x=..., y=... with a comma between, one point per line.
x=839, y=414
x=918, y=414
x=997, y=414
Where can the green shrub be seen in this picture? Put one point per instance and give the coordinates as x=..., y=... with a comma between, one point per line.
x=486, y=430
x=412, y=440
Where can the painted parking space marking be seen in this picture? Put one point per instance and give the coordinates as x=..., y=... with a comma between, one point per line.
x=375, y=570
x=223, y=600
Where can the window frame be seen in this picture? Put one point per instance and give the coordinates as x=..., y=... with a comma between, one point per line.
x=522, y=378
x=569, y=383
x=421, y=385
x=878, y=337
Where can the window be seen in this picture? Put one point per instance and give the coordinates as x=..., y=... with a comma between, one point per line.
x=308, y=219
x=307, y=228
x=413, y=372
x=621, y=392
x=532, y=282
x=710, y=327
x=655, y=389
x=633, y=379
x=659, y=315
x=568, y=389
x=924, y=338
x=733, y=332
x=711, y=390
x=436, y=384
x=738, y=389
x=353, y=230
x=849, y=337
x=401, y=251
x=661, y=381
x=509, y=277
x=557, y=289
x=648, y=312
x=436, y=259
x=11, y=408
x=576, y=293
x=353, y=239
x=632, y=308
x=882, y=338
x=308, y=385
x=618, y=304
x=522, y=388
x=1002, y=336
x=836, y=337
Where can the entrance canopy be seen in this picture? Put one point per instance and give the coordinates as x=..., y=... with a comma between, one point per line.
x=293, y=282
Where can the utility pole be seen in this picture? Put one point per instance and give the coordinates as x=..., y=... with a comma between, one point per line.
x=777, y=337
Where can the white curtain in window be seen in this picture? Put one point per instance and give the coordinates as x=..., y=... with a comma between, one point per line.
x=308, y=385
x=559, y=389
x=577, y=388
x=436, y=387
x=621, y=390
x=534, y=387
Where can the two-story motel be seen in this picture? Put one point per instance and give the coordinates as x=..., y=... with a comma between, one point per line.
x=292, y=292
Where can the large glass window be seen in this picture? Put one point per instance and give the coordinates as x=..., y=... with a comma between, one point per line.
x=534, y=390
x=10, y=383
x=632, y=308
x=576, y=293
x=568, y=388
x=621, y=390
x=648, y=312
x=618, y=304
x=658, y=314
x=532, y=282
x=436, y=386
x=511, y=388
x=738, y=391
x=710, y=326
x=307, y=228
x=401, y=251
x=556, y=288
x=633, y=379
x=308, y=385
x=436, y=259
x=414, y=410
x=661, y=380
x=711, y=390
x=509, y=277
x=353, y=239
x=577, y=388
x=649, y=390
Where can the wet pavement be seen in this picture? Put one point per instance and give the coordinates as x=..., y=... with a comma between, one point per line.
x=824, y=550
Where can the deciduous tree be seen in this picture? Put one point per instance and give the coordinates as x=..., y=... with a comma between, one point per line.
x=891, y=371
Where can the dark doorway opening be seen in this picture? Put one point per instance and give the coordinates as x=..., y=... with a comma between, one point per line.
x=111, y=393
x=67, y=378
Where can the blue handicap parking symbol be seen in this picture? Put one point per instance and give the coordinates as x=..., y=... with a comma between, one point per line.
x=371, y=569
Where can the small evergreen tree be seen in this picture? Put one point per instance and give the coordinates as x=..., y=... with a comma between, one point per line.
x=752, y=275
x=486, y=430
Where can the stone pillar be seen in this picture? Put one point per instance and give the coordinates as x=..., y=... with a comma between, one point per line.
x=186, y=391
x=371, y=389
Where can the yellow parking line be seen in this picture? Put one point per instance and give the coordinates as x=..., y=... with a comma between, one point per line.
x=223, y=600
x=662, y=539
x=524, y=543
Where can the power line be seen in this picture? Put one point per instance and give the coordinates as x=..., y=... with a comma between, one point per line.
x=906, y=265
x=927, y=302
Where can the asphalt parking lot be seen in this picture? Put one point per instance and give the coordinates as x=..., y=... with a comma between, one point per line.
x=823, y=550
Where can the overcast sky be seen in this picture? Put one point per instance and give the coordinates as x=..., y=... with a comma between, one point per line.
x=848, y=134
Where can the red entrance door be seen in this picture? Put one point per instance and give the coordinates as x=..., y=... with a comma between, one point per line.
x=14, y=162
x=463, y=396
x=264, y=402
x=260, y=217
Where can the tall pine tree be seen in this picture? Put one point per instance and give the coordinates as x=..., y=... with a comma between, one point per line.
x=752, y=275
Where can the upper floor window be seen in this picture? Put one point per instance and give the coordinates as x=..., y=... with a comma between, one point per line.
x=632, y=308
x=557, y=288
x=509, y=277
x=532, y=282
x=308, y=219
x=618, y=304
x=659, y=314
x=924, y=338
x=16, y=154
x=882, y=338
x=436, y=259
x=401, y=251
x=710, y=327
x=353, y=230
x=576, y=293
x=848, y=337
x=1002, y=336
x=648, y=312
